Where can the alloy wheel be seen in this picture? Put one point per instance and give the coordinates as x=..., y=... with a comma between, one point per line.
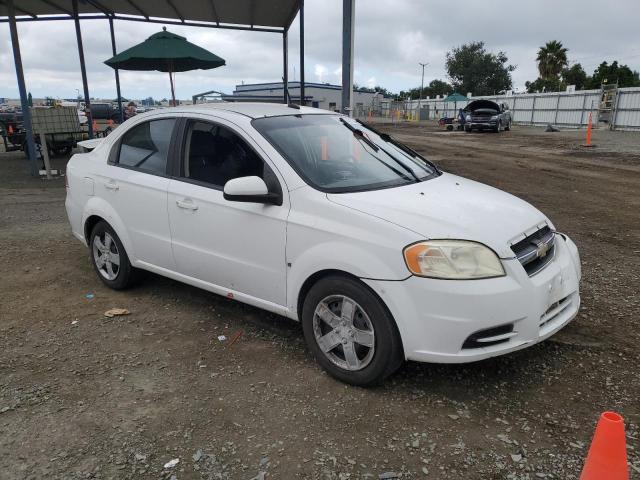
x=106, y=255
x=344, y=332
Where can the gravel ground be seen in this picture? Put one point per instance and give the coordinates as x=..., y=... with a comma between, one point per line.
x=85, y=396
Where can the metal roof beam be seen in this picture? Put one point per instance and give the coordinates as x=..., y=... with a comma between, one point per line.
x=54, y=5
x=292, y=15
x=188, y=23
x=134, y=5
x=215, y=12
x=100, y=7
x=175, y=9
x=21, y=10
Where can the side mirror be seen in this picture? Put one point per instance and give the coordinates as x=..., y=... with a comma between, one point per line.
x=251, y=190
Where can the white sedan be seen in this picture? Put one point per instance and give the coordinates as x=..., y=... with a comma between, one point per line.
x=312, y=215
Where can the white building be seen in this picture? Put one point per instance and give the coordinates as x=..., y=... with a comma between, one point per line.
x=319, y=95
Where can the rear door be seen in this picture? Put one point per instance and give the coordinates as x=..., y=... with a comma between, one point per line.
x=135, y=184
x=237, y=246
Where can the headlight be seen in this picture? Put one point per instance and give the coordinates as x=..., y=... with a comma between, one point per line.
x=452, y=259
x=495, y=117
x=468, y=118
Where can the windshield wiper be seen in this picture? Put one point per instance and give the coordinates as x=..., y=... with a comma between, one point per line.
x=402, y=164
x=359, y=134
x=408, y=150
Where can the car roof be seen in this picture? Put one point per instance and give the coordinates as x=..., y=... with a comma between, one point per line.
x=251, y=109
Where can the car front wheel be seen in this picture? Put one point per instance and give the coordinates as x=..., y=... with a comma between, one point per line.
x=109, y=257
x=350, y=332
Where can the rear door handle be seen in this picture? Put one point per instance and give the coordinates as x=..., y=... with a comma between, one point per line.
x=111, y=185
x=186, y=204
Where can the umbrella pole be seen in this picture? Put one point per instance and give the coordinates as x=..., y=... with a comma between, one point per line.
x=173, y=93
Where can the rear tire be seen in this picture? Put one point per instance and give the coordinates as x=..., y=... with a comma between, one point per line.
x=109, y=258
x=350, y=332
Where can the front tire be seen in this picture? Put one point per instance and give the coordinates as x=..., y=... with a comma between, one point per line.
x=349, y=331
x=109, y=258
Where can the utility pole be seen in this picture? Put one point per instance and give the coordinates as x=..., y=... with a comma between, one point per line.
x=421, y=87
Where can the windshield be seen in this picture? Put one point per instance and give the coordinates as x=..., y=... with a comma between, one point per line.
x=335, y=154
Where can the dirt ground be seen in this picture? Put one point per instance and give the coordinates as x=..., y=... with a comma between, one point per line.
x=85, y=396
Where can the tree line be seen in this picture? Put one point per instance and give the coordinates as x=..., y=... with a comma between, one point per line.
x=472, y=68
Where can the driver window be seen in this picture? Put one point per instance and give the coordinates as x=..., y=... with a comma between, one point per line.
x=214, y=155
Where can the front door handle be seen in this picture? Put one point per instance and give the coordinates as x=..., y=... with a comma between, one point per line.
x=187, y=204
x=111, y=185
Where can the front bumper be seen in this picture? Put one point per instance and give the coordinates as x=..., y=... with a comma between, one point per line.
x=482, y=125
x=436, y=317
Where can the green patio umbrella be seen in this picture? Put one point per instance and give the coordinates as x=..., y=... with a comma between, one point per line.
x=166, y=52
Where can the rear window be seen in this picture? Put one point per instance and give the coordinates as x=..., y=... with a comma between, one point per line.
x=146, y=146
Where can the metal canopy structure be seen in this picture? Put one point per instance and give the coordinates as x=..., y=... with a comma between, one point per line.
x=272, y=16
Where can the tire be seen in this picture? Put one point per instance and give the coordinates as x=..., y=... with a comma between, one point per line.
x=104, y=248
x=508, y=127
x=363, y=364
x=497, y=127
x=467, y=129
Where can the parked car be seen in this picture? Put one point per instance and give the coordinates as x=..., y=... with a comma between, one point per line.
x=309, y=214
x=487, y=115
x=105, y=111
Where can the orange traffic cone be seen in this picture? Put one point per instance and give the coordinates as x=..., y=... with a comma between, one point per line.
x=607, y=457
x=589, y=128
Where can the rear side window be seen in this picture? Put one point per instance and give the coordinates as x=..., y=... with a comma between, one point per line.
x=146, y=146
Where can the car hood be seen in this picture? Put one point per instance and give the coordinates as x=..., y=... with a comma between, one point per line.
x=482, y=104
x=449, y=206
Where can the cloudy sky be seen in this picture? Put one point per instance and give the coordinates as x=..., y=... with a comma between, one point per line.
x=391, y=37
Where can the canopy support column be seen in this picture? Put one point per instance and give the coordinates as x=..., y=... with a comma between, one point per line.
x=302, y=96
x=83, y=69
x=24, y=102
x=285, y=66
x=348, y=8
x=113, y=50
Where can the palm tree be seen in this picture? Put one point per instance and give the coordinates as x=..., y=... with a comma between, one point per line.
x=552, y=58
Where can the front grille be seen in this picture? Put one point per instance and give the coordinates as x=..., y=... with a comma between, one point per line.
x=536, y=251
x=481, y=118
x=489, y=336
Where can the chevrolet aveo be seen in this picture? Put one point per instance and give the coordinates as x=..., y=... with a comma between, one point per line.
x=312, y=215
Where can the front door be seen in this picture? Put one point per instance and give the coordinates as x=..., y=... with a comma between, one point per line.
x=237, y=246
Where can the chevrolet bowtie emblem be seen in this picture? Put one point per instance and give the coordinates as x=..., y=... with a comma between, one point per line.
x=542, y=250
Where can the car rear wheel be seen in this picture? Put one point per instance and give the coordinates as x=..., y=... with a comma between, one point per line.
x=109, y=258
x=350, y=332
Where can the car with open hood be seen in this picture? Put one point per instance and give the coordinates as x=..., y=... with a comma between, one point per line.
x=381, y=255
x=487, y=115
